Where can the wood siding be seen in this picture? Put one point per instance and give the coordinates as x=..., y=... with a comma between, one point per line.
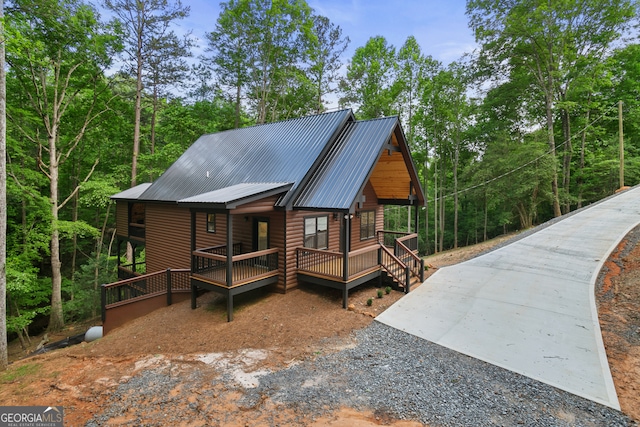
x=168, y=233
x=370, y=204
x=295, y=231
x=168, y=237
x=122, y=218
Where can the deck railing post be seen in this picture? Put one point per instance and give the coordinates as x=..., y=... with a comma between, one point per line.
x=421, y=270
x=103, y=297
x=168, y=286
x=407, y=275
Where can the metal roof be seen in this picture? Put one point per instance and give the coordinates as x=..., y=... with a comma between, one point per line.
x=339, y=179
x=236, y=195
x=132, y=193
x=275, y=152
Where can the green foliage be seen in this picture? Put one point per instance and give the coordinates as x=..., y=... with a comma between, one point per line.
x=83, y=293
x=380, y=293
x=368, y=80
x=370, y=302
x=27, y=294
x=387, y=290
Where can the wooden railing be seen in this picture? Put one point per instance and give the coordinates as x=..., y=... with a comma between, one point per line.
x=145, y=286
x=388, y=238
x=129, y=271
x=331, y=264
x=400, y=272
x=362, y=260
x=245, y=267
x=222, y=249
x=137, y=230
x=409, y=258
x=410, y=241
x=321, y=262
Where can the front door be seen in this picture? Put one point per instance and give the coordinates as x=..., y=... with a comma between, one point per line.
x=260, y=234
x=261, y=240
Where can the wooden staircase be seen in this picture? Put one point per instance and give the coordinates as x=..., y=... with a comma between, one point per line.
x=403, y=266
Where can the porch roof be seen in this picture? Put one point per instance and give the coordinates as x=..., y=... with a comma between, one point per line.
x=236, y=195
x=132, y=193
x=359, y=155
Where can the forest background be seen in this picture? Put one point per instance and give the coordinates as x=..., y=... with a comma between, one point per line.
x=523, y=129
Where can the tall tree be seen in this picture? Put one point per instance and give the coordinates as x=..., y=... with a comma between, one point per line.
x=147, y=28
x=167, y=68
x=257, y=49
x=552, y=41
x=369, y=77
x=3, y=199
x=228, y=44
x=57, y=51
x=324, y=57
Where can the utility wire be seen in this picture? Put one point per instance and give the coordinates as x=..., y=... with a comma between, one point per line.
x=473, y=187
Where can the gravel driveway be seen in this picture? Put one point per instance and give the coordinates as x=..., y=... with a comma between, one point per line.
x=388, y=371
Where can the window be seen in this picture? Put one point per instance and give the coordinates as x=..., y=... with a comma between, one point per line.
x=211, y=223
x=367, y=225
x=316, y=233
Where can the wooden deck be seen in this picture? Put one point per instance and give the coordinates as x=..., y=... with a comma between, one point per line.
x=248, y=274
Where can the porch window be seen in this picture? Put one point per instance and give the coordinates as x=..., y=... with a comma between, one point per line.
x=316, y=233
x=367, y=225
x=211, y=223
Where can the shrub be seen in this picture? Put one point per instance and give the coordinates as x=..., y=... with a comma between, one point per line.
x=369, y=302
x=380, y=293
x=387, y=290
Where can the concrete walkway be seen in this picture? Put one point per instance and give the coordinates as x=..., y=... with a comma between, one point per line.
x=529, y=306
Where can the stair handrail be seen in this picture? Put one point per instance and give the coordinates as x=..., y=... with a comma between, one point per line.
x=404, y=281
x=417, y=266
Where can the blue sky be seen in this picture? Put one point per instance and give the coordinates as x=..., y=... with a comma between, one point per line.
x=440, y=27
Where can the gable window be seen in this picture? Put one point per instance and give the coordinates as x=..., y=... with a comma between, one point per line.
x=316, y=233
x=367, y=225
x=211, y=223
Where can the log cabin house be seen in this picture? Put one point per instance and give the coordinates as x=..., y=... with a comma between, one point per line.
x=277, y=205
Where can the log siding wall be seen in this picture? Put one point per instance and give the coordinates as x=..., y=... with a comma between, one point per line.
x=122, y=219
x=168, y=229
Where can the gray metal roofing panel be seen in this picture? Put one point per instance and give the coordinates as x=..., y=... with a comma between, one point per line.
x=274, y=152
x=336, y=183
x=237, y=192
x=132, y=193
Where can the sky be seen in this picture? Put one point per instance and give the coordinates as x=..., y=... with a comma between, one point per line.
x=439, y=26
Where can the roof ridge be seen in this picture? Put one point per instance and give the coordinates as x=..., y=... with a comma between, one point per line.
x=280, y=121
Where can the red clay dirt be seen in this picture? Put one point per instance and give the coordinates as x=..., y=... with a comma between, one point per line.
x=269, y=331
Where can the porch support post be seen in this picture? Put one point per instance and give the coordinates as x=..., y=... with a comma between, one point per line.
x=133, y=257
x=416, y=216
x=345, y=259
x=194, y=288
x=229, y=266
x=119, y=248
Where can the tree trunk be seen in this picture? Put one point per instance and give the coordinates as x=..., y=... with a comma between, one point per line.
x=138, y=114
x=455, y=196
x=568, y=154
x=56, y=318
x=552, y=153
x=582, y=150
x=4, y=361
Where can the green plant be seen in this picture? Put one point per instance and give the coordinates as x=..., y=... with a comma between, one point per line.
x=387, y=290
x=380, y=293
x=369, y=302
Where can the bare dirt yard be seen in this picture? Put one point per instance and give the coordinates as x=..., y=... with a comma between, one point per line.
x=269, y=332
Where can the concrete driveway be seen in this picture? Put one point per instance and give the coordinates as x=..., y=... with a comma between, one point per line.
x=529, y=306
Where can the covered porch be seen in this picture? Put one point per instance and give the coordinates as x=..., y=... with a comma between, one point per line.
x=242, y=220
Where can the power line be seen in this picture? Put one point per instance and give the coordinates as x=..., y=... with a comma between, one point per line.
x=473, y=187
